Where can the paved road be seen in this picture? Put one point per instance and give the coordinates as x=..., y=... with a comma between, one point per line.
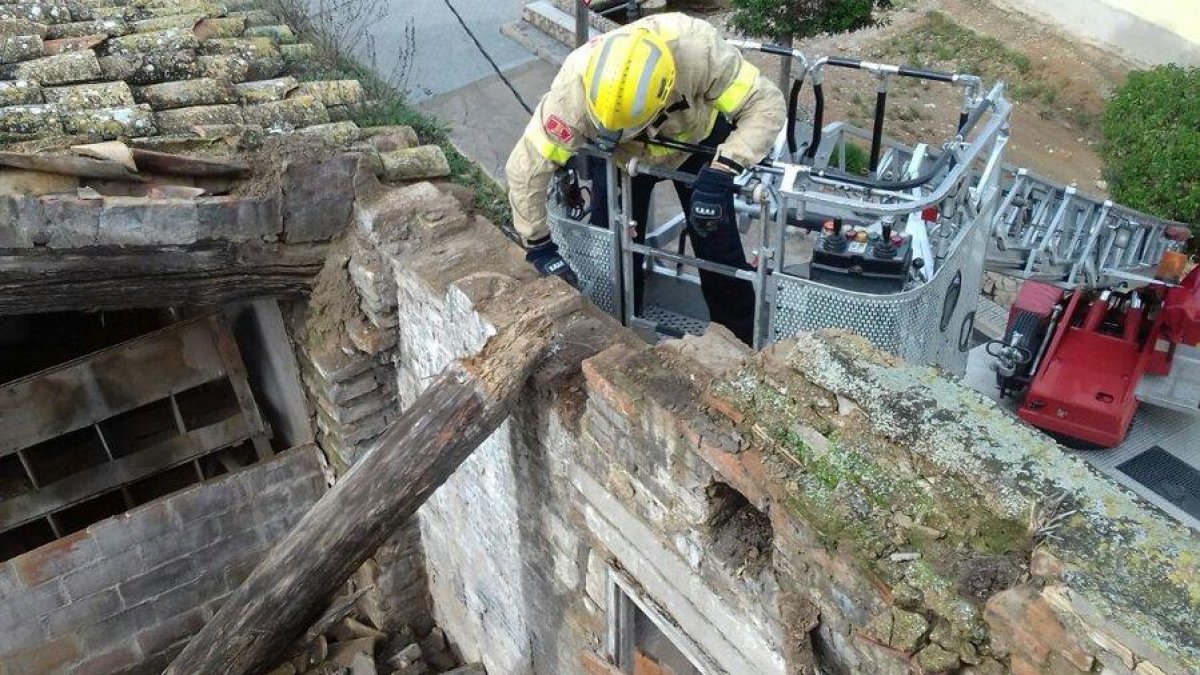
x=446, y=59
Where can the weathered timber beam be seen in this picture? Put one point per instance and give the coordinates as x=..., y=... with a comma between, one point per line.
x=417, y=453
x=203, y=274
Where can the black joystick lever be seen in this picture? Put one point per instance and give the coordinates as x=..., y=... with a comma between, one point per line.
x=887, y=244
x=835, y=241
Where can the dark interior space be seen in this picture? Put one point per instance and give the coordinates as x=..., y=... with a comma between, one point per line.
x=140, y=428
x=65, y=456
x=163, y=483
x=75, y=518
x=33, y=342
x=207, y=404
x=25, y=538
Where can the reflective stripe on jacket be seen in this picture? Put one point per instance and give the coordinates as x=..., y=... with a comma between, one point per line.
x=711, y=78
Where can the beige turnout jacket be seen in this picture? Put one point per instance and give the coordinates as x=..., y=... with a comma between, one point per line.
x=712, y=78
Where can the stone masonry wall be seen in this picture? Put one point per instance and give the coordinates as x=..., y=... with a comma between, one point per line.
x=819, y=504
x=120, y=596
x=348, y=355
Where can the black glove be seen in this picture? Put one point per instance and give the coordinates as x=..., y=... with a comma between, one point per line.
x=712, y=201
x=543, y=255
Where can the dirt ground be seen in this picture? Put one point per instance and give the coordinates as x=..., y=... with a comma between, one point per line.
x=1059, y=85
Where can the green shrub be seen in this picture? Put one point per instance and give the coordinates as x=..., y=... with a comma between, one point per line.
x=778, y=19
x=857, y=159
x=1151, y=145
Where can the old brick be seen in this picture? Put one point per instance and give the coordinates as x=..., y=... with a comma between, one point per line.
x=208, y=500
x=9, y=586
x=189, y=538
x=170, y=631
x=336, y=394
x=83, y=612
x=228, y=549
x=56, y=559
x=30, y=120
x=115, y=630
x=74, y=44
x=20, y=626
x=170, y=40
x=149, y=523
x=215, y=27
x=46, y=658
x=317, y=198
x=135, y=221
x=104, y=574
x=70, y=222
x=240, y=218
x=36, y=10
x=191, y=595
x=159, y=580
x=108, y=662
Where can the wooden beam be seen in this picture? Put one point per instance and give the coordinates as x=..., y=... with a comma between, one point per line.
x=98, y=386
x=415, y=455
x=199, y=275
x=121, y=471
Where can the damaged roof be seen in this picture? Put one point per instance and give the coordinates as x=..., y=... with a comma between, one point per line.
x=158, y=72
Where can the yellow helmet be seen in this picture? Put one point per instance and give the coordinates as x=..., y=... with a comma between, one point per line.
x=629, y=76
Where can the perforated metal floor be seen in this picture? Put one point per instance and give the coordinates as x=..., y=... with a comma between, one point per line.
x=671, y=324
x=1168, y=476
x=1174, y=433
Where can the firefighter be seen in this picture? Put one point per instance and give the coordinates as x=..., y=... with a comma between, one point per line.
x=666, y=76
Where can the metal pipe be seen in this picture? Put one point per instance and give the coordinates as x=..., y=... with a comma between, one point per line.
x=760, y=272
x=582, y=26
x=698, y=263
x=877, y=131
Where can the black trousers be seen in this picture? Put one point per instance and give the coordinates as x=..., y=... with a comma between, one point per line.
x=730, y=301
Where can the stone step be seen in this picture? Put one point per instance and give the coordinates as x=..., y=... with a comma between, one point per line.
x=552, y=21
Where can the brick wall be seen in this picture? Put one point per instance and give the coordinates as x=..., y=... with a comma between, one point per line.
x=905, y=518
x=347, y=348
x=120, y=596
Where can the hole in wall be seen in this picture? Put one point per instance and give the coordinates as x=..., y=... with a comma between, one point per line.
x=741, y=535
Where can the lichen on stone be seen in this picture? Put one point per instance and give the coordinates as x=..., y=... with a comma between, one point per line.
x=84, y=96
x=110, y=123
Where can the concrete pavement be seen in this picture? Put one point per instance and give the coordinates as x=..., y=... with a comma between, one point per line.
x=445, y=57
x=485, y=118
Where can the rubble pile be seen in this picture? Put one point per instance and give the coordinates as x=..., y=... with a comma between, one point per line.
x=352, y=638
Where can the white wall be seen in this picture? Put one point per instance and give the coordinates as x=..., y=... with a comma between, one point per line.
x=1147, y=32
